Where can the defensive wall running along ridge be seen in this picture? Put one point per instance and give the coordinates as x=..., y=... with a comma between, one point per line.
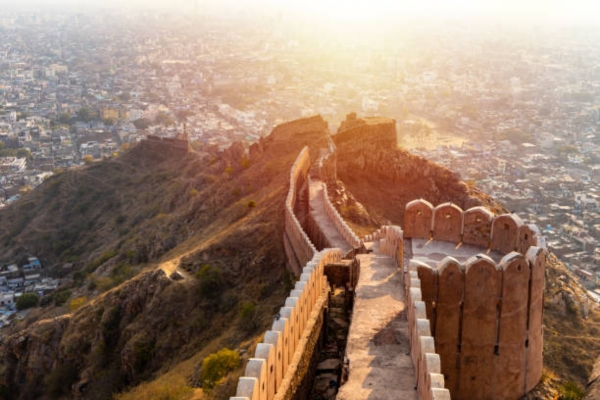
x=474, y=287
x=298, y=247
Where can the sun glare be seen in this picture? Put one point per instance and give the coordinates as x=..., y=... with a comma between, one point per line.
x=374, y=11
x=339, y=10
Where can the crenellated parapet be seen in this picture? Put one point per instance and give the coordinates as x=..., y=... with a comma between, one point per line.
x=341, y=225
x=298, y=246
x=429, y=380
x=476, y=226
x=484, y=314
x=486, y=319
x=282, y=359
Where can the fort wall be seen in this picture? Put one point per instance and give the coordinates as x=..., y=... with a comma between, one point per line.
x=288, y=130
x=341, y=225
x=282, y=360
x=475, y=326
x=429, y=381
x=485, y=316
x=298, y=247
x=476, y=226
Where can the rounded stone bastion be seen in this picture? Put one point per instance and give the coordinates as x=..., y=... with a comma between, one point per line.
x=481, y=279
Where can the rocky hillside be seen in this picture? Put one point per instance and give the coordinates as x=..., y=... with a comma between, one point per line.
x=166, y=249
x=372, y=171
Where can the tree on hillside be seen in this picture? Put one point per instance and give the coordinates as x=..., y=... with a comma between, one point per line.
x=27, y=300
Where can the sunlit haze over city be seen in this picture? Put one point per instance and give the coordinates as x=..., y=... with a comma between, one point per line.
x=346, y=11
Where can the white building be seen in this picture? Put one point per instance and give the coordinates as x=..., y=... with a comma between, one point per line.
x=12, y=165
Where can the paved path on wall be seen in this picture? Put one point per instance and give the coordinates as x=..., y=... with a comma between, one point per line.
x=378, y=346
x=326, y=225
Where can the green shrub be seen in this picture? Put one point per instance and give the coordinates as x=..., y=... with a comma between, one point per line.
x=570, y=391
x=27, y=300
x=58, y=298
x=247, y=311
x=249, y=316
x=211, y=281
x=217, y=365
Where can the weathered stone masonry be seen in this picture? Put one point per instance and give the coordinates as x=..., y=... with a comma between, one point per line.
x=485, y=317
x=282, y=359
x=298, y=247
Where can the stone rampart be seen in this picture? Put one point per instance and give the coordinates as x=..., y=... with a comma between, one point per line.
x=282, y=360
x=377, y=131
x=486, y=319
x=429, y=379
x=289, y=130
x=298, y=247
x=485, y=316
x=341, y=225
x=475, y=226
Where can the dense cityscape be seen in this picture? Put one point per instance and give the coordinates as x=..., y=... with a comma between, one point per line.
x=514, y=110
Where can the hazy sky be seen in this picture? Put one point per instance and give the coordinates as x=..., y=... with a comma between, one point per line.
x=535, y=10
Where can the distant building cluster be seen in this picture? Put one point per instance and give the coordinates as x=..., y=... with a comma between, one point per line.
x=15, y=280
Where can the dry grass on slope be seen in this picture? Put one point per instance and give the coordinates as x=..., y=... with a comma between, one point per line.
x=571, y=342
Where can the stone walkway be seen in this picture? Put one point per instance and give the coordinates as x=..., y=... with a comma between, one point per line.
x=327, y=227
x=378, y=344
